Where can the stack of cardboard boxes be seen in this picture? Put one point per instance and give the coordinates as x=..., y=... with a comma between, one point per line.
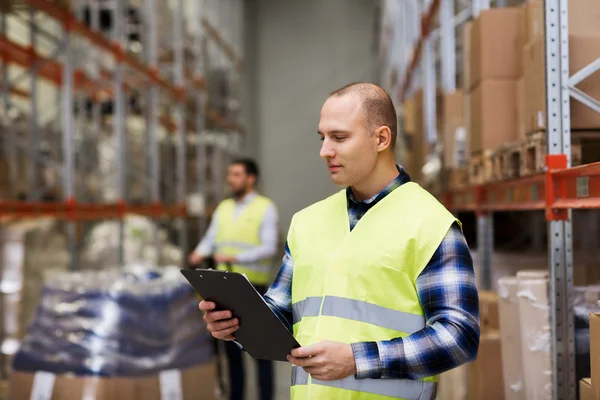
x=503, y=97
x=584, y=48
x=589, y=388
x=454, y=134
x=491, y=80
x=417, y=146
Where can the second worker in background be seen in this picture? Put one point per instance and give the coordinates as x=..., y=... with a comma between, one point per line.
x=242, y=236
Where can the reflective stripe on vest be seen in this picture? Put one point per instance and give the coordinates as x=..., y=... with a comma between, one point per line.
x=358, y=311
x=397, y=388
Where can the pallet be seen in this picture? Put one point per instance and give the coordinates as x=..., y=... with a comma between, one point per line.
x=457, y=178
x=480, y=167
x=506, y=162
x=533, y=154
x=585, y=148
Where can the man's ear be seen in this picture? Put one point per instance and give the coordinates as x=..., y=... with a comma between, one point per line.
x=384, y=138
x=252, y=179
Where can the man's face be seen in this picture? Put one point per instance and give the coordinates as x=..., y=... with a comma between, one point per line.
x=239, y=181
x=349, y=150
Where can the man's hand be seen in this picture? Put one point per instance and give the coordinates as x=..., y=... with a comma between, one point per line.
x=219, y=323
x=195, y=258
x=220, y=258
x=325, y=361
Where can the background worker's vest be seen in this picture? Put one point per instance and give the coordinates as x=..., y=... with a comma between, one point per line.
x=236, y=234
x=359, y=286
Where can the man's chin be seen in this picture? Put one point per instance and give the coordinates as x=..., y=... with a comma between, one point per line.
x=338, y=180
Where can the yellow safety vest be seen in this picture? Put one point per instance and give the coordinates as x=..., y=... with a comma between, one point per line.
x=360, y=286
x=241, y=233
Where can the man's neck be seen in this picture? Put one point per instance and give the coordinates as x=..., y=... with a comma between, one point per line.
x=244, y=196
x=381, y=176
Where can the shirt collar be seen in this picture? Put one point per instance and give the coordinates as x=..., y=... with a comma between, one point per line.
x=400, y=180
x=247, y=198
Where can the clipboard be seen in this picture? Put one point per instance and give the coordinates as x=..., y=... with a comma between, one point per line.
x=261, y=333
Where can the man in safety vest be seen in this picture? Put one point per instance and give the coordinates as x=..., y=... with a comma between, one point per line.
x=377, y=282
x=242, y=237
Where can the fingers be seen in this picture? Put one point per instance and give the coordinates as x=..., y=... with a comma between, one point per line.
x=214, y=316
x=225, y=334
x=206, y=305
x=304, y=362
x=223, y=324
x=307, y=351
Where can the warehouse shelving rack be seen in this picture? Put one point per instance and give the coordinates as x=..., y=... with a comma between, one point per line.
x=66, y=68
x=557, y=191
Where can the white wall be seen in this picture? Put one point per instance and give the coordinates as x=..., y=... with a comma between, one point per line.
x=302, y=50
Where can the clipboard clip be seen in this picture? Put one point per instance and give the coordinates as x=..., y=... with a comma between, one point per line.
x=209, y=263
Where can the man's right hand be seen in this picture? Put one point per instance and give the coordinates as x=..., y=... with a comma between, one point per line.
x=195, y=258
x=219, y=323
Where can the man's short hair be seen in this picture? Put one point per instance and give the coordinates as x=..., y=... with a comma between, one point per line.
x=250, y=166
x=377, y=106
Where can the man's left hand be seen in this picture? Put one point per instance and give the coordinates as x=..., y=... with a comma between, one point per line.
x=220, y=258
x=326, y=360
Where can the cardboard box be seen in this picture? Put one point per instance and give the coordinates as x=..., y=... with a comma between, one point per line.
x=522, y=37
x=454, y=129
x=582, y=51
x=188, y=384
x=466, y=54
x=510, y=335
x=534, y=20
x=493, y=115
x=484, y=376
x=585, y=389
x=488, y=311
x=419, y=147
x=584, y=18
x=453, y=384
x=595, y=353
x=409, y=110
x=534, y=316
x=521, y=110
x=495, y=52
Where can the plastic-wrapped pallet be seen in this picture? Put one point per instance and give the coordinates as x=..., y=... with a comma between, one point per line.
x=102, y=244
x=510, y=333
x=116, y=334
x=534, y=314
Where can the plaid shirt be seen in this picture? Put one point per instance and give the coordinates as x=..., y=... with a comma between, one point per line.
x=447, y=292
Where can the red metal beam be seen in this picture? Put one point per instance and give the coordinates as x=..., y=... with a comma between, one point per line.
x=577, y=187
x=47, y=69
x=555, y=191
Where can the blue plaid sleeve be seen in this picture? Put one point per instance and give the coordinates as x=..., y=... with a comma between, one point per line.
x=447, y=291
x=279, y=295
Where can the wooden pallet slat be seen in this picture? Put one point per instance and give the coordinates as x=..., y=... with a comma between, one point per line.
x=533, y=154
x=480, y=167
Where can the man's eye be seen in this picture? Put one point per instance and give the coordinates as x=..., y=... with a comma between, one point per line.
x=339, y=138
x=321, y=138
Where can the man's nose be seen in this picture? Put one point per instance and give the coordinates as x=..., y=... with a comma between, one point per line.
x=326, y=150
